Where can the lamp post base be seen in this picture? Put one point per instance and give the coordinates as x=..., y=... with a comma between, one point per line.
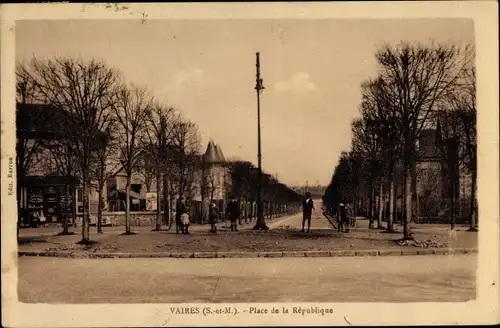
x=261, y=226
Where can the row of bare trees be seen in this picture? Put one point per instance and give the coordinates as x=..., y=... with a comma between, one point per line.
x=245, y=183
x=419, y=87
x=105, y=125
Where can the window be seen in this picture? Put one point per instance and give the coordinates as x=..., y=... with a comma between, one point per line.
x=136, y=188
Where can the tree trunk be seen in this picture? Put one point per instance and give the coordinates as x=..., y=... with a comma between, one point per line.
x=66, y=212
x=20, y=212
x=452, y=178
x=371, y=209
x=452, y=202
x=99, y=209
x=73, y=203
x=166, y=204
x=86, y=210
x=390, y=219
x=414, y=194
x=127, y=209
x=19, y=179
x=158, y=201
x=380, y=205
x=408, y=205
x=473, y=209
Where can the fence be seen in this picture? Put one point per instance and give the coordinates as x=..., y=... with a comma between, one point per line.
x=197, y=210
x=248, y=210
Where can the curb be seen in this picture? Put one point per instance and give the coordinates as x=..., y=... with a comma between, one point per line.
x=211, y=255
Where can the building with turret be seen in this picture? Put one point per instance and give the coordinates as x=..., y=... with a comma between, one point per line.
x=215, y=176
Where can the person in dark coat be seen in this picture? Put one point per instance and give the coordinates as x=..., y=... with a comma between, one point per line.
x=180, y=209
x=342, y=218
x=307, y=209
x=233, y=211
x=213, y=214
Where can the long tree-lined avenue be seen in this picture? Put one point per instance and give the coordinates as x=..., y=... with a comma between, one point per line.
x=215, y=162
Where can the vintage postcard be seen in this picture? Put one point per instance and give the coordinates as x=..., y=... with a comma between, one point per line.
x=249, y=164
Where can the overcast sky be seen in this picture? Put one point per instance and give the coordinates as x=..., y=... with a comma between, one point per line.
x=312, y=71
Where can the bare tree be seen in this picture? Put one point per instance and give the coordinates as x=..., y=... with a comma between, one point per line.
x=131, y=109
x=146, y=168
x=104, y=164
x=419, y=76
x=461, y=102
x=83, y=91
x=62, y=154
x=379, y=112
x=160, y=122
x=366, y=144
x=186, y=146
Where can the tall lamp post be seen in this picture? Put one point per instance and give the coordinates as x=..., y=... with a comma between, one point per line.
x=259, y=87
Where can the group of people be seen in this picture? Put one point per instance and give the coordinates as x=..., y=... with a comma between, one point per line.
x=345, y=218
x=182, y=220
x=232, y=212
x=345, y=215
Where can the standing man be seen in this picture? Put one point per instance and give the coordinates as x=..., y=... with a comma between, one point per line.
x=307, y=209
x=180, y=208
x=343, y=219
x=233, y=210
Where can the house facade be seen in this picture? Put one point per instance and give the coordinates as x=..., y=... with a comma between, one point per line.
x=439, y=177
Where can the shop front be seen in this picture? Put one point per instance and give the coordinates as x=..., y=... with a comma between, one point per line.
x=47, y=196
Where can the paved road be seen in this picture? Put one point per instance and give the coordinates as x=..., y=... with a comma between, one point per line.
x=318, y=221
x=382, y=279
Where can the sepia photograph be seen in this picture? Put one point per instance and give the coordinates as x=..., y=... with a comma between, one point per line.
x=247, y=168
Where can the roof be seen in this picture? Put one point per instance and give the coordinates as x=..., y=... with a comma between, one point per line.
x=40, y=121
x=46, y=122
x=219, y=153
x=49, y=180
x=213, y=154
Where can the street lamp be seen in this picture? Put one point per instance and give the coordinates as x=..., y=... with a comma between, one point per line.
x=259, y=87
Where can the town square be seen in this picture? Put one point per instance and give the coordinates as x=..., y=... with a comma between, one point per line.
x=235, y=161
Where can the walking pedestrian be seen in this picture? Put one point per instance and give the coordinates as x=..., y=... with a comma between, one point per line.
x=307, y=209
x=212, y=216
x=342, y=219
x=233, y=210
x=180, y=209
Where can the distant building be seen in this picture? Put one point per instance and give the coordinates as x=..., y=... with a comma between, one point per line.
x=215, y=177
x=434, y=179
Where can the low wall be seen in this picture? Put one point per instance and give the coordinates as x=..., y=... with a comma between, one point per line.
x=139, y=219
x=118, y=218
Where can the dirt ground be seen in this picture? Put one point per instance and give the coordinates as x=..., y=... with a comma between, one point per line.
x=283, y=238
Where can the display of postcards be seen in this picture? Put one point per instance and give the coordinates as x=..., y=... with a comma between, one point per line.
x=35, y=196
x=51, y=190
x=51, y=198
x=62, y=200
